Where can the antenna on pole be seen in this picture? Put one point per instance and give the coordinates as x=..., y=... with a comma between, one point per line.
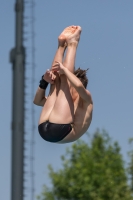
x=17, y=58
x=29, y=41
x=32, y=94
x=22, y=176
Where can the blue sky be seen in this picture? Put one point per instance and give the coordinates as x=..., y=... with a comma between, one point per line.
x=106, y=47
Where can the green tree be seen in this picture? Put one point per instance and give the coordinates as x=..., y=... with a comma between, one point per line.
x=91, y=171
x=130, y=165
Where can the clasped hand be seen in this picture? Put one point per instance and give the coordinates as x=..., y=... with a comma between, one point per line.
x=58, y=67
x=49, y=76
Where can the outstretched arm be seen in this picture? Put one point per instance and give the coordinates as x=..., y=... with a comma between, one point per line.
x=40, y=97
x=76, y=83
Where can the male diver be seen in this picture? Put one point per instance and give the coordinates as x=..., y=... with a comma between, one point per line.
x=67, y=111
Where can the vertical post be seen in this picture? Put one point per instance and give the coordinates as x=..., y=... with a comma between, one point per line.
x=17, y=58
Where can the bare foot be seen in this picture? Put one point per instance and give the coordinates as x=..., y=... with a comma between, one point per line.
x=67, y=32
x=75, y=36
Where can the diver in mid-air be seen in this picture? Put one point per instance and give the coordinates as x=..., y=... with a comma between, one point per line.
x=67, y=111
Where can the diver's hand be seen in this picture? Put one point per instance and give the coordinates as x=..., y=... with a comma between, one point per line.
x=58, y=67
x=49, y=76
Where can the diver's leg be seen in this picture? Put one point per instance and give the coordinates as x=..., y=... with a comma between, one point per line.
x=60, y=51
x=62, y=43
x=63, y=110
x=54, y=88
x=72, y=44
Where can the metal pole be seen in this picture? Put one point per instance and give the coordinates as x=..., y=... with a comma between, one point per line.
x=17, y=58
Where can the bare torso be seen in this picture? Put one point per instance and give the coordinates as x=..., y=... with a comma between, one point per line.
x=82, y=116
x=82, y=119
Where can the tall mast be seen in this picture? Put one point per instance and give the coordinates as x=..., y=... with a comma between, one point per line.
x=17, y=58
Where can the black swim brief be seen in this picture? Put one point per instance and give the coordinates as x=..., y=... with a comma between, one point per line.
x=52, y=132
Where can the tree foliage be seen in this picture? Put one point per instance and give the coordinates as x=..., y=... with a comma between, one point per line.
x=91, y=171
x=130, y=165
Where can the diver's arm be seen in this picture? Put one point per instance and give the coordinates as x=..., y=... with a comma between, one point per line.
x=75, y=82
x=40, y=98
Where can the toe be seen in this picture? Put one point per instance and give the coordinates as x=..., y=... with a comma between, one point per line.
x=79, y=28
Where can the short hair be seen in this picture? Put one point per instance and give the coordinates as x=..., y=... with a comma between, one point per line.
x=81, y=74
